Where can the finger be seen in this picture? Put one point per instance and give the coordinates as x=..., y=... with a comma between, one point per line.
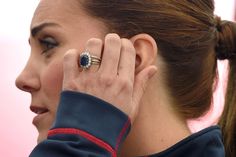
x=94, y=47
x=70, y=66
x=127, y=60
x=140, y=84
x=111, y=55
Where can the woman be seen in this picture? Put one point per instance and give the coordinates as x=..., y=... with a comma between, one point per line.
x=156, y=72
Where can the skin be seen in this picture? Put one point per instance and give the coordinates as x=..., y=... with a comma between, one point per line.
x=43, y=75
x=136, y=60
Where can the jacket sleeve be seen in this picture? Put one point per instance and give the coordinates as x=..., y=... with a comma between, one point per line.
x=85, y=126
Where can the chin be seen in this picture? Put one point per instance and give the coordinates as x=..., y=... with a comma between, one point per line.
x=42, y=136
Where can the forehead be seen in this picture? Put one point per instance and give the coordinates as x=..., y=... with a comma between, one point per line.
x=61, y=11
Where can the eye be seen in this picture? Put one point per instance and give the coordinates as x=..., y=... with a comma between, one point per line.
x=47, y=44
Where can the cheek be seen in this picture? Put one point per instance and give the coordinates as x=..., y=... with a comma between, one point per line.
x=51, y=81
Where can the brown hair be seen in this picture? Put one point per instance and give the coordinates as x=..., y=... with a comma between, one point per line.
x=227, y=49
x=187, y=34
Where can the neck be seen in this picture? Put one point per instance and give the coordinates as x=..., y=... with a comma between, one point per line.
x=156, y=128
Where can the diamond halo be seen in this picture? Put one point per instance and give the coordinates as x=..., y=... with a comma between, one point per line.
x=86, y=60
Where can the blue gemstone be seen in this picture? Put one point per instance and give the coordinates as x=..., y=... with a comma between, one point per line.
x=84, y=60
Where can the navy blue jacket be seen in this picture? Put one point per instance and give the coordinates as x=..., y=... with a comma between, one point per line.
x=86, y=126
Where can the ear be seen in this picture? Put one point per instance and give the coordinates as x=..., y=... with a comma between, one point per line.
x=146, y=51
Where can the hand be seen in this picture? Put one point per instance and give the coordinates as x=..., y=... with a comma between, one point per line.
x=114, y=80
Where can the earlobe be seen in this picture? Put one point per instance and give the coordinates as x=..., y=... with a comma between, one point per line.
x=146, y=51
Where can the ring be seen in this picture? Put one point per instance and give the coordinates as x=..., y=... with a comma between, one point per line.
x=86, y=60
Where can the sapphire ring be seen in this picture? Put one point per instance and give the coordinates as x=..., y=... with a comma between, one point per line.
x=86, y=60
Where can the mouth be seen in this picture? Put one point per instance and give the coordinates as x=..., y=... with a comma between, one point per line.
x=40, y=114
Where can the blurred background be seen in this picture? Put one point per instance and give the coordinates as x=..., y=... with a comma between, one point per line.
x=18, y=136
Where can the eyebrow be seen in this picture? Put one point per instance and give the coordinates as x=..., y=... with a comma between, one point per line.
x=35, y=30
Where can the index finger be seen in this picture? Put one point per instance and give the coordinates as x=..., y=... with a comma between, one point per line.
x=70, y=66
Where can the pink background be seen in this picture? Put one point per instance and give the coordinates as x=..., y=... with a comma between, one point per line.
x=18, y=136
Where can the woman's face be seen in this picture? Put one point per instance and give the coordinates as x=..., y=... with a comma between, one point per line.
x=56, y=27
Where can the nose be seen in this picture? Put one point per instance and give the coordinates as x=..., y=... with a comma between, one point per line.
x=28, y=79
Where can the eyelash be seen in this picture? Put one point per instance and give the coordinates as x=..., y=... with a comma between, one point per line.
x=47, y=44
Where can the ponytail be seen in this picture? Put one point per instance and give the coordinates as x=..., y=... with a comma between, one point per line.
x=226, y=49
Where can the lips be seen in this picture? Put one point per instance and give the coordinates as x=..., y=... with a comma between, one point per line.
x=41, y=113
x=38, y=110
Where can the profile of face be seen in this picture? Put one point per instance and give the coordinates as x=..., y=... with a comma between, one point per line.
x=56, y=27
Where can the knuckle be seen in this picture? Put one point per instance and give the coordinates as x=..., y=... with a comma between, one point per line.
x=127, y=45
x=125, y=83
x=94, y=42
x=106, y=80
x=113, y=38
x=69, y=55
